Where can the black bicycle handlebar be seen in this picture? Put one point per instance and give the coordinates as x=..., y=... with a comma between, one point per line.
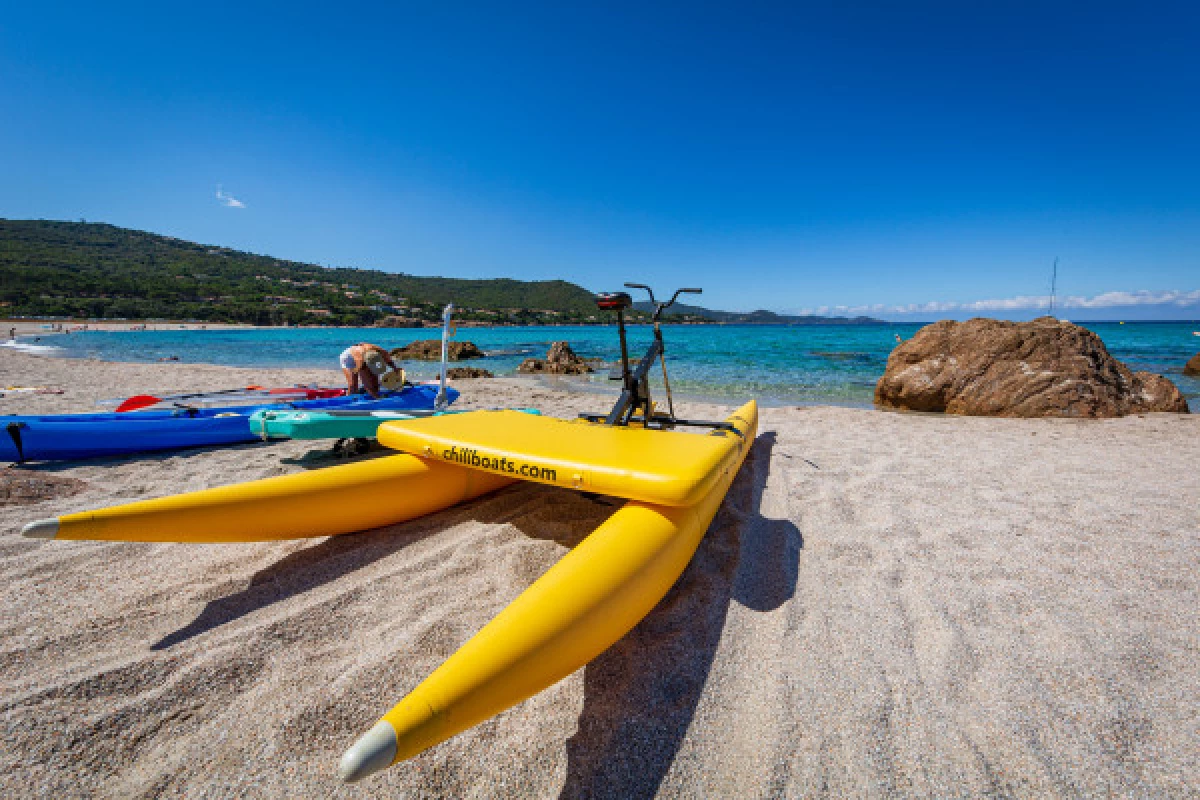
x=660, y=307
x=642, y=286
x=678, y=292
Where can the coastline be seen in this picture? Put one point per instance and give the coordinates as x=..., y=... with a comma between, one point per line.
x=28, y=327
x=779, y=365
x=805, y=366
x=995, y=605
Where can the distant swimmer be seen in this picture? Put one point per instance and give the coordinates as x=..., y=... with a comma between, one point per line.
x=898, y=339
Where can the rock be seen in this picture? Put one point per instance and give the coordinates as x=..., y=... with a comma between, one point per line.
x=1192, y=367
x=1043, y=368
x=460, y=351
x=468, y=372
x=431, y=350
x=401, y=322
x=560, y=360
x=561, y=353
x=1159, y=393
x=532, y=365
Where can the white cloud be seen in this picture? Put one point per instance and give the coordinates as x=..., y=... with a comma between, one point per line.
x=228, y=199
x=1143, y=298
x=1021, y=303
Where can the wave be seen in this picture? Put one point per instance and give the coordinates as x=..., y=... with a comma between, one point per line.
x=512, y=351
x=31, y=348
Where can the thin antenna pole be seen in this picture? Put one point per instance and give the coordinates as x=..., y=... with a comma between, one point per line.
x=1053, y=285
x=442, y=400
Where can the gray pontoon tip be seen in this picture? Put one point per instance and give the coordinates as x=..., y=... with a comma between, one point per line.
x=41, y=529
x=375, y=751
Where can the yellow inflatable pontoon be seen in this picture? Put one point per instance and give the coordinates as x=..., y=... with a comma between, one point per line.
x=324, y=502
x=579, y=608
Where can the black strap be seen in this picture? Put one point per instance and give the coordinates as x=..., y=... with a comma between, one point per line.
x=14, y=431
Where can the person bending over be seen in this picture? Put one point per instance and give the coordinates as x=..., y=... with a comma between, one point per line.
x=362, y=364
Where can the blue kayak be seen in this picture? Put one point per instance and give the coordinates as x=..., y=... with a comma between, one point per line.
x=57, y=437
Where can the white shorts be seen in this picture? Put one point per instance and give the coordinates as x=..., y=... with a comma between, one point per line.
x=348, y=360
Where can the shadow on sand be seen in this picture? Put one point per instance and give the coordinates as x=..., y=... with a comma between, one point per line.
x=290, y=576
x=341, y=555
x=151, y=457
x=321, y=455
x=640, y=695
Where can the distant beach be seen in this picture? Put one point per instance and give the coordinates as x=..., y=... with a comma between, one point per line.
x=30, y=327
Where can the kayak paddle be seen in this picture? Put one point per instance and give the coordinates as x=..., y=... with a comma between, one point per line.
x=147, y=400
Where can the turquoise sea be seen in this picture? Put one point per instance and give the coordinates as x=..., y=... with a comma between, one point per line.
x=833, y=364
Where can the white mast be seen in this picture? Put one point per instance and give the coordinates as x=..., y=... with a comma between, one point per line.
x=1053, y=285
x=442, y=400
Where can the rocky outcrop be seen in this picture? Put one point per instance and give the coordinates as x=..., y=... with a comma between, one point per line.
x=1043, y=368
x=1192, y=367
x=560, y=360
x=456, y=373
x=431, y=350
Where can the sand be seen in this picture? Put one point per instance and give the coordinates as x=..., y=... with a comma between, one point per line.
x=887, y=605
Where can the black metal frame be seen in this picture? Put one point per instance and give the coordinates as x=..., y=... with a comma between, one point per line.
x=635, y=392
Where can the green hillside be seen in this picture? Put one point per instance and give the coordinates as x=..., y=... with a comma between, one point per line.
x=98, y=271
x=101, y=271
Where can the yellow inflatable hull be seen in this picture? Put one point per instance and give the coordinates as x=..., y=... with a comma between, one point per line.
x=325, y=502
x=595, y=595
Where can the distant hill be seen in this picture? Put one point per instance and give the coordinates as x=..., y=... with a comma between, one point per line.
x=755, y=317
x=95, y=270
x=98, y=271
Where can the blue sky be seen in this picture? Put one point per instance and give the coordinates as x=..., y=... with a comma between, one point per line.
x=863, y=158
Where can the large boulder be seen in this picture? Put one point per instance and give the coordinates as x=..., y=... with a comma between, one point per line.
x=431, y=350
x=560, y=360
x=1043, y=368
x=1192, y=367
